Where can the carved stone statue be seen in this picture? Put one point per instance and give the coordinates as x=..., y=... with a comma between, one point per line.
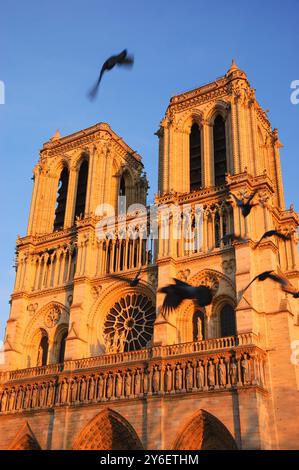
x=178, y=378
x=200, y=375
x=156, y=380
x=233, y=371
x=74, y=389
x=189, y=377
x=122, y=341
x=128, y=384
x=39, y=360
x=64, y=390
x=42, y=394
x=199, y=330
x=168, y=379
x=19, y=398
x=108, y=338
x=91, y=388
x=115, y=344
x=118, y=385
x=4, y=400
x=51, y=391
x=109, y=390
x=222, y=373
x=245, y=369
x=100, y=387
x=83, y=389
x=12, y=398
x=137, y=385
x=27, y=397
x=211, y=374
x=145, y=380
x=34, y=399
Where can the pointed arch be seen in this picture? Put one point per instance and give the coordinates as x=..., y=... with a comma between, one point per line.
x=125, y=186
x=25, y=440
x=61, y=199
x=108, y=431
x=204, y=432
x=219, y=145
x=228, y=320
x=82, y=188
x=195, y=157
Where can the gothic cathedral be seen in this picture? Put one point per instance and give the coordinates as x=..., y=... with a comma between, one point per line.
x=90, y=361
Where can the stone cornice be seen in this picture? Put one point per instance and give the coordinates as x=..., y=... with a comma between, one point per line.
x=87, y=136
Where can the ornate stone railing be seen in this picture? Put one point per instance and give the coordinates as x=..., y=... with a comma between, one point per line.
x=133, y=356
x=194, y=372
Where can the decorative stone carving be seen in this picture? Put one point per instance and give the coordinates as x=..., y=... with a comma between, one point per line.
x=245, y=367
x=233, y=371
x=118, y=385
x=128, y=384
x=156, y=380
x=137, y=385
x=178, y=377
x=200, y=375
x=189, y=376
x=229, y=266
x=183, y=274
x=222, y=372
x=211, y=374
x=32, y=308
x=52, y=316
x=134, y=316
x=100, y=387
x=168, y=379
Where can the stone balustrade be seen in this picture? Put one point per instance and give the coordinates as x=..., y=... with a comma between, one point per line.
x=243, y=339
x=239, y=366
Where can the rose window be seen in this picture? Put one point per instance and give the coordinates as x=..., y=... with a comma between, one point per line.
x=129, y=324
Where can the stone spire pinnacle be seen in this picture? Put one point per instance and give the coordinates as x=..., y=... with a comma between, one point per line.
x=56, y=136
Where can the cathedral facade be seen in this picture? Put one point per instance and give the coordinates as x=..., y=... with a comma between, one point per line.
x=90, y=361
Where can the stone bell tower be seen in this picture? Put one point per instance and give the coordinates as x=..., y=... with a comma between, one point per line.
x=60, y=255
x=213, y=141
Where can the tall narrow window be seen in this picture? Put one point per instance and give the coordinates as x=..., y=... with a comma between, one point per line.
x=61, y=200
x=81, y=190
x=122, y=186
x=195, y=158
x=42, y=354
x=62, y=348
x=228, y=321
x=220, y=165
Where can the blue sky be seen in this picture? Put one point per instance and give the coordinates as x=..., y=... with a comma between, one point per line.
x=51, y=52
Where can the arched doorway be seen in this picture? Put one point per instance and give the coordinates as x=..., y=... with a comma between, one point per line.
x=205, y=432
x=108, y=431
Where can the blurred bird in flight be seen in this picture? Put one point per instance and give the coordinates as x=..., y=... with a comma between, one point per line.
x=245, y=206
x=176, y=293
x=122, y=59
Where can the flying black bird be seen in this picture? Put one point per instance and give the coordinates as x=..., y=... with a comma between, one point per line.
x=132, y=281
x=290, y=289
x=176, y=293
x=121, y=59
x=230, y=237
x=245, y=207
x=262, y=277
x=270, y=233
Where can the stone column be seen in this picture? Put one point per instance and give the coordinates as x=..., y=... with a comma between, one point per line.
x=71, y=198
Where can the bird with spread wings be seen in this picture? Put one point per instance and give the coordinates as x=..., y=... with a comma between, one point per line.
x=175, y=294
x=122, y=59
